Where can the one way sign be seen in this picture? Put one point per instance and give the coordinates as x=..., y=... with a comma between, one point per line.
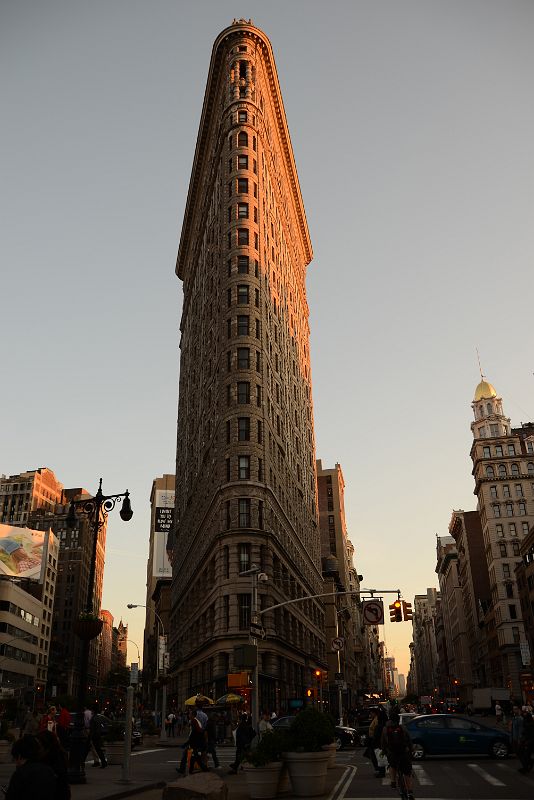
x=257, y=631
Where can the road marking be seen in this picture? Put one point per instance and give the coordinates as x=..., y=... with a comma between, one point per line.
x=485, y=775
x=350, y=773
x=338, y=784
x=455, y=776
x=142, y=752
x=421, y=775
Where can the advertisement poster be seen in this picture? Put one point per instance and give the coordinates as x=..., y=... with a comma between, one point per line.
x=163, y=521
x=21, y=552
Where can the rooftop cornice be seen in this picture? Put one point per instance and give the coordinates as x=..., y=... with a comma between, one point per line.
x=222, y=44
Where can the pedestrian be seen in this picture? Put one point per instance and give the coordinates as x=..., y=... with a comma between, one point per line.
x=526, y=745
x=201, y=715
x=211, y=732
x=63, y=726
x=265, y=724
x=97, y=729
x=171, y=719
x=374, y=739
x=53, y=754
x=31, y=778
x=243, y=737
x=48, y=721
x=397, y=745
x=516, y=728
x=498, y=713
x=30, y=726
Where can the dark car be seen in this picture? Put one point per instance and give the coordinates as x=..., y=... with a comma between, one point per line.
x=106, y=723
x=449, y=734
x=344, y=737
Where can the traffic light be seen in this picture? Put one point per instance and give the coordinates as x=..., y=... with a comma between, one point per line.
x=395, y=611
x=407, y=609
x=318, y=674
x=309, y=692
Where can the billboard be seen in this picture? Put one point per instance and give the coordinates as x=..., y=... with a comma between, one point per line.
x=21, y=552
x=163, y=520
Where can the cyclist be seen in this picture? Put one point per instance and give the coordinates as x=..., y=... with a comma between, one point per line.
x=397, y=745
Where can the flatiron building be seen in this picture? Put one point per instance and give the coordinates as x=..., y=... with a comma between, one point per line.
x=245, y=464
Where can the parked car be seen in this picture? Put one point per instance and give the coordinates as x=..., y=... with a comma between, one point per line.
x=449, y=734
x=107, y=724
x=344, y=737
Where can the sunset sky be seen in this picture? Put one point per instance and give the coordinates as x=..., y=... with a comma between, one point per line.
x=412, y=125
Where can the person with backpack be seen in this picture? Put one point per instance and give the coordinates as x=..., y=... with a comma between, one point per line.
x=397, y=745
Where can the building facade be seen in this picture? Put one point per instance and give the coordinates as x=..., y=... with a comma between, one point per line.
x=245, y=465
x=105, y=645
x=425, y=612
x=525, y=585
x=503, y=469
x=32, y=491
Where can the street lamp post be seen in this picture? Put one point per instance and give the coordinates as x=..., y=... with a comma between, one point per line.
x=163, y=679
x=257, y=575
x=96, y=509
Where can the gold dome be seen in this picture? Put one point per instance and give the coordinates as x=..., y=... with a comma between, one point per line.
x=484, y=391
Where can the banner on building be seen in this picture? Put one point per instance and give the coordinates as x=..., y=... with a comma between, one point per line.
x=21, y=552
x=163, y=521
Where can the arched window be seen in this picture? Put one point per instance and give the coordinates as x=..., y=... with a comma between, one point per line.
x=490, y=472
x=488, y=408
x=502, y=471
x=530, y=468
x=242, y=139
x=515, y=471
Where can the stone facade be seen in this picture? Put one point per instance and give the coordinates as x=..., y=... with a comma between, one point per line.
x=245, y=464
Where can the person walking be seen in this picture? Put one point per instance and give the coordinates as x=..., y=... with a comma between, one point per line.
x=397, y=745
x=516, y=728
x=197, y=743
x=31, y=778
x=526, y=745
x=96, y=742
x=53, y=754
x=498, y=713
x=171, y=718
x=374, y=739
x=243, y=737
x=265, y=724
x=211, y=732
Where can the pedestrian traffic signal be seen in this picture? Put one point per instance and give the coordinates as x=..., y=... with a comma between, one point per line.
x=395, y=611
x=309, y=692
x=407, y=611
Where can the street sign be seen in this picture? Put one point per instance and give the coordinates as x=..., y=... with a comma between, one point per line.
x=373, y=612
x=257, y=631
x=338, y=643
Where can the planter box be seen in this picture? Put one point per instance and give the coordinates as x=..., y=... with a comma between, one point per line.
x=307, y=772
x=331, y=749
x=262, y=782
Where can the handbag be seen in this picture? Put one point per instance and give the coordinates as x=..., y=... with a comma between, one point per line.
x=381, y=758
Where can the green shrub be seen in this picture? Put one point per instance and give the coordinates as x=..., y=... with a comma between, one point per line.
x=310, y=730
x=269, y=749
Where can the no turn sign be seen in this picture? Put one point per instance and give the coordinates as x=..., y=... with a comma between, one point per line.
x=373, y=612
x=338, y=643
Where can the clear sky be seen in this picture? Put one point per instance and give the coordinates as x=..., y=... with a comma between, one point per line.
x=413, y=130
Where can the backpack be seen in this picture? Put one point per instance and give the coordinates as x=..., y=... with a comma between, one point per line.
x=396, y=739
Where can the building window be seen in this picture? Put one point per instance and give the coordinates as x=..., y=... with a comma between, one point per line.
x=503, y=551
x=518, y=490
x=244, y=556
x=244, y=612
x=498, y=450
x=506, y=490
x=524, y=527
x=490, y=472
x=243, y=326
x=509, y=590
x=244, y=513
x=486, y=452
x=226, y=561
x=243, y=358
x=509, y=509
x=241, y=116
x=226, y=611
x=258, y=329
x=511, y=450
x=260, y=432
x=502, y=471
x=242, y=139
x=530, y=467
x=522, y=509
x=242, y=294
x=513, y=611
x=260, y=515
x=244, y=468
x=515, y=471
x=515, y=548
x=493, y=492
x=243, y=392
x=227, y=470
x=228, y=516
x=260, y=469
x=227, y=431
x=506, y=570
x=499, y=529
x=494, y=430
x=243, y=429
x=242, y=235
x=496, y=510
x=242, y=210
x=530, y=447
x=242, y=162
x=242, y=185
x=511, y=528
x=258, y=395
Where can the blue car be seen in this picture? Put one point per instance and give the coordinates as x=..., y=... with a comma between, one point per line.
x=448, y=734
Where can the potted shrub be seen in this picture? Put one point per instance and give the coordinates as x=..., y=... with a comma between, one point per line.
x=306, y=761
x=263, y=765
x=88, y=626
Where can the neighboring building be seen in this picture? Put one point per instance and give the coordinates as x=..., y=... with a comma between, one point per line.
x=525, y=585
x=20, y=629
x=457, y=677
x=503, y=468
x=473, y=578
x=122, y=644
x=105, y=647
x=158, y=581
x=343, y=618
x=27, y=492
x=424, y=640
x=402, y=685
x=245, y=463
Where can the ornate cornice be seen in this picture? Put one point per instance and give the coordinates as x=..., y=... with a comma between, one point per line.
x=222, y=45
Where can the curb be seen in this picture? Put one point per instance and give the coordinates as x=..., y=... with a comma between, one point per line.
x=132, y=791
